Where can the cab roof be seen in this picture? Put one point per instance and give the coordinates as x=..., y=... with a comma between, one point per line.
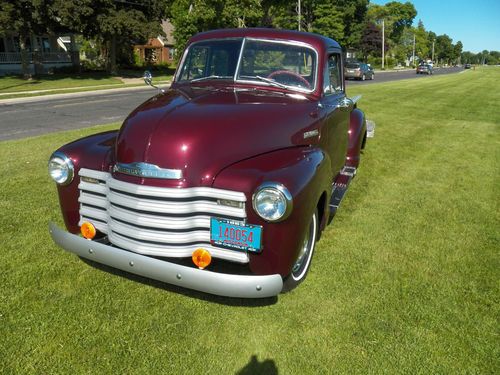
x=319, y=42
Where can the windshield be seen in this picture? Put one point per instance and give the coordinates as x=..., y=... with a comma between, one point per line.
x=352, y=66
x=269, y=63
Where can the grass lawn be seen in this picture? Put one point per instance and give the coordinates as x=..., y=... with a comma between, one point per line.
x=16, y=87
x=55, y=81
x=406, y=279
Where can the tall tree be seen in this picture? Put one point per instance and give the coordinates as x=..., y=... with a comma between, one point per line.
x=111, y=22
x=23, y=18
x=371, y=41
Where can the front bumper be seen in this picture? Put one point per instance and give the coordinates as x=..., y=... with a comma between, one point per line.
x=220, y=284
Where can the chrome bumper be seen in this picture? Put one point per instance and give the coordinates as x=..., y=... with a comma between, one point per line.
x=202, y=280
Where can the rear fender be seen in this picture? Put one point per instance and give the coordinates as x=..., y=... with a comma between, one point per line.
x=305, y=172
x=357, y=132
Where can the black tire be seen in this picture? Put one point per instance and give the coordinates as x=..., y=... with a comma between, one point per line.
x=303, y=262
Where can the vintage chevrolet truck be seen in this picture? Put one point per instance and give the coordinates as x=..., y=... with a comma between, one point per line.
x=224, y=182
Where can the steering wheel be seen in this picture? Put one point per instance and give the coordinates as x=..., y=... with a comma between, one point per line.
x=295, y=76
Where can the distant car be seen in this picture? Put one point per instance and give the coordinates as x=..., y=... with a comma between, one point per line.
x=424, y=69
x=467, y=66
x=359, y=71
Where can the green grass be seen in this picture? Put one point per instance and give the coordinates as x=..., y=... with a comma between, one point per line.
x=17, y=87
x=55, y=81
x=406, y=280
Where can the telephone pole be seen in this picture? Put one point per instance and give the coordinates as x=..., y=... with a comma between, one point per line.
x=413, y=50
x=299, y=14
x=383, y=43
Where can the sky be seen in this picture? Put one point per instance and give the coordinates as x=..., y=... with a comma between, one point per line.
x=473, y=22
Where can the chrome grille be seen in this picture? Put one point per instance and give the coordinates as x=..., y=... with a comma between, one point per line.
x=150, y=220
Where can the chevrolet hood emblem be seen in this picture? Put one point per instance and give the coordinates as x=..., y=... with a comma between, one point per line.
x=146, y=170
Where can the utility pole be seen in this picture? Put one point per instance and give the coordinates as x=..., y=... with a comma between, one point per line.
x=383, y=43
x=413, y=50
x=299, y=14
x=433, y=52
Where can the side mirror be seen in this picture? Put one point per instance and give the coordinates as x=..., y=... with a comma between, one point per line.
x=148, y=78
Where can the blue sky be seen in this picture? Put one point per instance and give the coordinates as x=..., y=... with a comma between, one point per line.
x=476, y=23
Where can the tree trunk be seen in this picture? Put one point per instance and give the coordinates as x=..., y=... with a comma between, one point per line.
x=24, y=57
x=112, y=55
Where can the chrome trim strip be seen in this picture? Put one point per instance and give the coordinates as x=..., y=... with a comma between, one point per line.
x=228, y=285
x=176, y=251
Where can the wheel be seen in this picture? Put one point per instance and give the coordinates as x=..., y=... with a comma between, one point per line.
x=301, y=266
x=373, y=76
x=363, y=77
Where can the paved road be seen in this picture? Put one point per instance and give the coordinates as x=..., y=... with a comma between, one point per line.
x=406, y=74
x=34, y=116
x=48, y=114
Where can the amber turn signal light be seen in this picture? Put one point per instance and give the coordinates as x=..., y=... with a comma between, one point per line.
x=88, y=230
x=201, y=258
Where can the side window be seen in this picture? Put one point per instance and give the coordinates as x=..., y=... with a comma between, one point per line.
x=333, y=76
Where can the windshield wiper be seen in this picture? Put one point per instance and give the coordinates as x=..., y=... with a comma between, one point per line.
x=209, y=77
x=271, y=82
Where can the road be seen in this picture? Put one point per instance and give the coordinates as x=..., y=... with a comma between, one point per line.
x=34, y=116
x=405, y=74
x=48, y=114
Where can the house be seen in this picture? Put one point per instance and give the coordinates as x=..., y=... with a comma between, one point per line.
x=43, y=53
x=159, y=50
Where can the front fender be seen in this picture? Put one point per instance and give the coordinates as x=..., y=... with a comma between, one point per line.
x=305, y=172
x=93, y=152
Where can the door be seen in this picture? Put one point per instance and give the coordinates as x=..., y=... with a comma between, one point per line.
x=338, y=108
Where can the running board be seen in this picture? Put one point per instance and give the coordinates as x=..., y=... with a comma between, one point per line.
x=339, y=188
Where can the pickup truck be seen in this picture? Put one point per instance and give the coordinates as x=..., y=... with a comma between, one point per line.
x=224, y=182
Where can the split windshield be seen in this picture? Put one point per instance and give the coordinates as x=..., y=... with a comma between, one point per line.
x=264, y=62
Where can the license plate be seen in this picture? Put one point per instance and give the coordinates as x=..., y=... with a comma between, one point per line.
x=235, y=235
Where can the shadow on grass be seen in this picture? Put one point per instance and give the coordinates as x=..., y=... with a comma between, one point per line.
x=229, y=301
x=267, y=367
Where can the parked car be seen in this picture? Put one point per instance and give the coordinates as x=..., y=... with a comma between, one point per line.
x=425, y=69
x=467, y=66
x=357, y=70
x=224, y=182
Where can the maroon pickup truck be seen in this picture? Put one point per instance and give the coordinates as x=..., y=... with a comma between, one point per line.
x=224, y=182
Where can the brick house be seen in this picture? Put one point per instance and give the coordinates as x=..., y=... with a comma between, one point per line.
x=160, y=49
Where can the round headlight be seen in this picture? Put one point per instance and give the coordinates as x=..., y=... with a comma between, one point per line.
x=61, y=168
x=272, y=202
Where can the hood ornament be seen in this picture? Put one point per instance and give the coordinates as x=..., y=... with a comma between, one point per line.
x=146, y=170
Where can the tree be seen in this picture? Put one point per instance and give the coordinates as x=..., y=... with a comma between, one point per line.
x=444, y=48
x=457, y=52
x=111, y=22
x=24, y=18
x=371, y=41
x=192, y=16
x=396, y=16
x=421, y=41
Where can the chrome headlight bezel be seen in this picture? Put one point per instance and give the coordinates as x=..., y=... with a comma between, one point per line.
x=281, y=195
x=60, y=162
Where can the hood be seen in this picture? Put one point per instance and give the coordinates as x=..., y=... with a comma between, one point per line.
x=200, y=131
